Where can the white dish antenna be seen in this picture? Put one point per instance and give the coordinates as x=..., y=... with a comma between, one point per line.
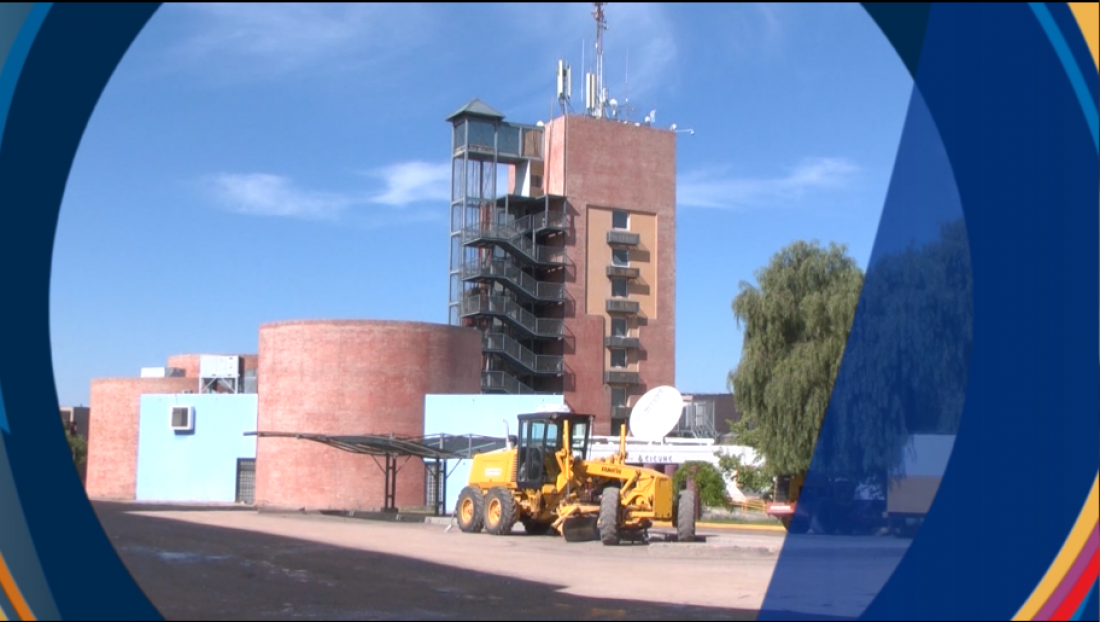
x=656, y=413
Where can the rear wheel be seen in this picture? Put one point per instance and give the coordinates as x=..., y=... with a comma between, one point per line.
x=500, y=511
x=469, y=511
x=609, y=516
x=685, y=517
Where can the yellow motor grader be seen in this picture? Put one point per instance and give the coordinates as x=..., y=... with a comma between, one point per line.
x=543, y=481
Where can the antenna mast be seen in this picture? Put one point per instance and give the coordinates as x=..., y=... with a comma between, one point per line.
x=597, y=92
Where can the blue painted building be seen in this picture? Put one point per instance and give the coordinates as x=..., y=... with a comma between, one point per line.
x=207, y=463
x=476, y=414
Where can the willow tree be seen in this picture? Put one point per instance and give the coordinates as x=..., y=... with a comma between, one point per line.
x=796, y=321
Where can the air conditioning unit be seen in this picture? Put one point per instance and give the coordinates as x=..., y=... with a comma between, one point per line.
x=183, y=418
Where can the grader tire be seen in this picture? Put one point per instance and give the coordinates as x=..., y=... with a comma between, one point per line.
x=470, y=510
x=609, y=516
x=500, y=512
x=685, y=517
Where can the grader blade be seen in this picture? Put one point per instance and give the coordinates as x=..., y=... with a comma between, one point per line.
x=579, y=529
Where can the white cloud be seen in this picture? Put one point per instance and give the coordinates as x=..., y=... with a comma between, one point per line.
x=716, y=189
x=401, y=186
x=262, y=194
x=412, y=182
x=276, y=38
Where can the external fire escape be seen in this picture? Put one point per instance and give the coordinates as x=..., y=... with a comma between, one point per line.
x=507, y=252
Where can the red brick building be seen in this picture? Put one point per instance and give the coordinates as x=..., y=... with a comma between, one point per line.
x=571, y=274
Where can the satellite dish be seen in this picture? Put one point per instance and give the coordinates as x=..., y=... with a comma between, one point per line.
x=656, y=413
x=673, y=127
x=540, y=124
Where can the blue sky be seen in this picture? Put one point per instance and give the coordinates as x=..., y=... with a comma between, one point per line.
x=255, y=163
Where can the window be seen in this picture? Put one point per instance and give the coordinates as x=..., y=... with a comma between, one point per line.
x=618, y=327
x=536, y=181
x=618, y=358
x=620, y=219
x=618, y=288
x=620, y=257
x=617, y=424
x=618, y=397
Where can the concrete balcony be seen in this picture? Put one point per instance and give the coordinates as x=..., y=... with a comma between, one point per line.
x=630, y=343
x=623, y=272
x=620, y=377
x=623, y=305
x=616, y=237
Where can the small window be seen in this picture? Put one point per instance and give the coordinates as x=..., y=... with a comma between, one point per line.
x=620, y=219
x=620, y=257
x=618, y=359
x=618, y=288
x=536, y=181
x=618, y=327
x=618, y=397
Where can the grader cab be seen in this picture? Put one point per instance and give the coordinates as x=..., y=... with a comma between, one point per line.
x=544, y=482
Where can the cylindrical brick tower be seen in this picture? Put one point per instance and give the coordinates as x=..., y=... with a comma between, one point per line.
x=351, y=378
x=115, y=407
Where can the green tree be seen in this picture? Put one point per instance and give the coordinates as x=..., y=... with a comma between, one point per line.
x=751, y=479
x=908, y=356
x=78, y=446
x=708, y=480
x=796, y=322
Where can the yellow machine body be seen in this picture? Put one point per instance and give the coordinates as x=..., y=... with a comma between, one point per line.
x=545, y=481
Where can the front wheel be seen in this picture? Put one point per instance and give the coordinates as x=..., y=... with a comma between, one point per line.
x=609, y=516
x=685, y=517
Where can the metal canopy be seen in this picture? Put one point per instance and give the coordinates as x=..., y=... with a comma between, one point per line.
x=437, y=448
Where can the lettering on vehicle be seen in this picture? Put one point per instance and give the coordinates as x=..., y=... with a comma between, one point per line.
x=654, y=459
x=492, y=472
x=611, y=470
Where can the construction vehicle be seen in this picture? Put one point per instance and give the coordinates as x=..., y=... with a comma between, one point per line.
x=913, y=489
x=544, y=481
x=839, y=504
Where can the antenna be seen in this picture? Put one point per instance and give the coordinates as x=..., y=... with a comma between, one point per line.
x=565, y=85
x=656, y=413
x=599, y=97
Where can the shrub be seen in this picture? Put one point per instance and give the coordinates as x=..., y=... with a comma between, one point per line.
x=708, y=480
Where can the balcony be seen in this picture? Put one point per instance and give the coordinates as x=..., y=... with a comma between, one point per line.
x=617, y=237
x=623, y=272
x=618, y=341
x=620, y=377
x=623, y=305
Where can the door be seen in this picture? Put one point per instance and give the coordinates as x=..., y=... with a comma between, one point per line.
x=246, y=481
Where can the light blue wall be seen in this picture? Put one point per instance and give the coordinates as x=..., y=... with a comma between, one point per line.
x=476, y=414
x=198, y=466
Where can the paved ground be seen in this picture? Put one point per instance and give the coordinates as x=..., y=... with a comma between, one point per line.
x=202, y=563
x=198, y=564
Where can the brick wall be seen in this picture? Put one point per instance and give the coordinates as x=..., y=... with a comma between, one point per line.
x=113, y=432
x=351, y=378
